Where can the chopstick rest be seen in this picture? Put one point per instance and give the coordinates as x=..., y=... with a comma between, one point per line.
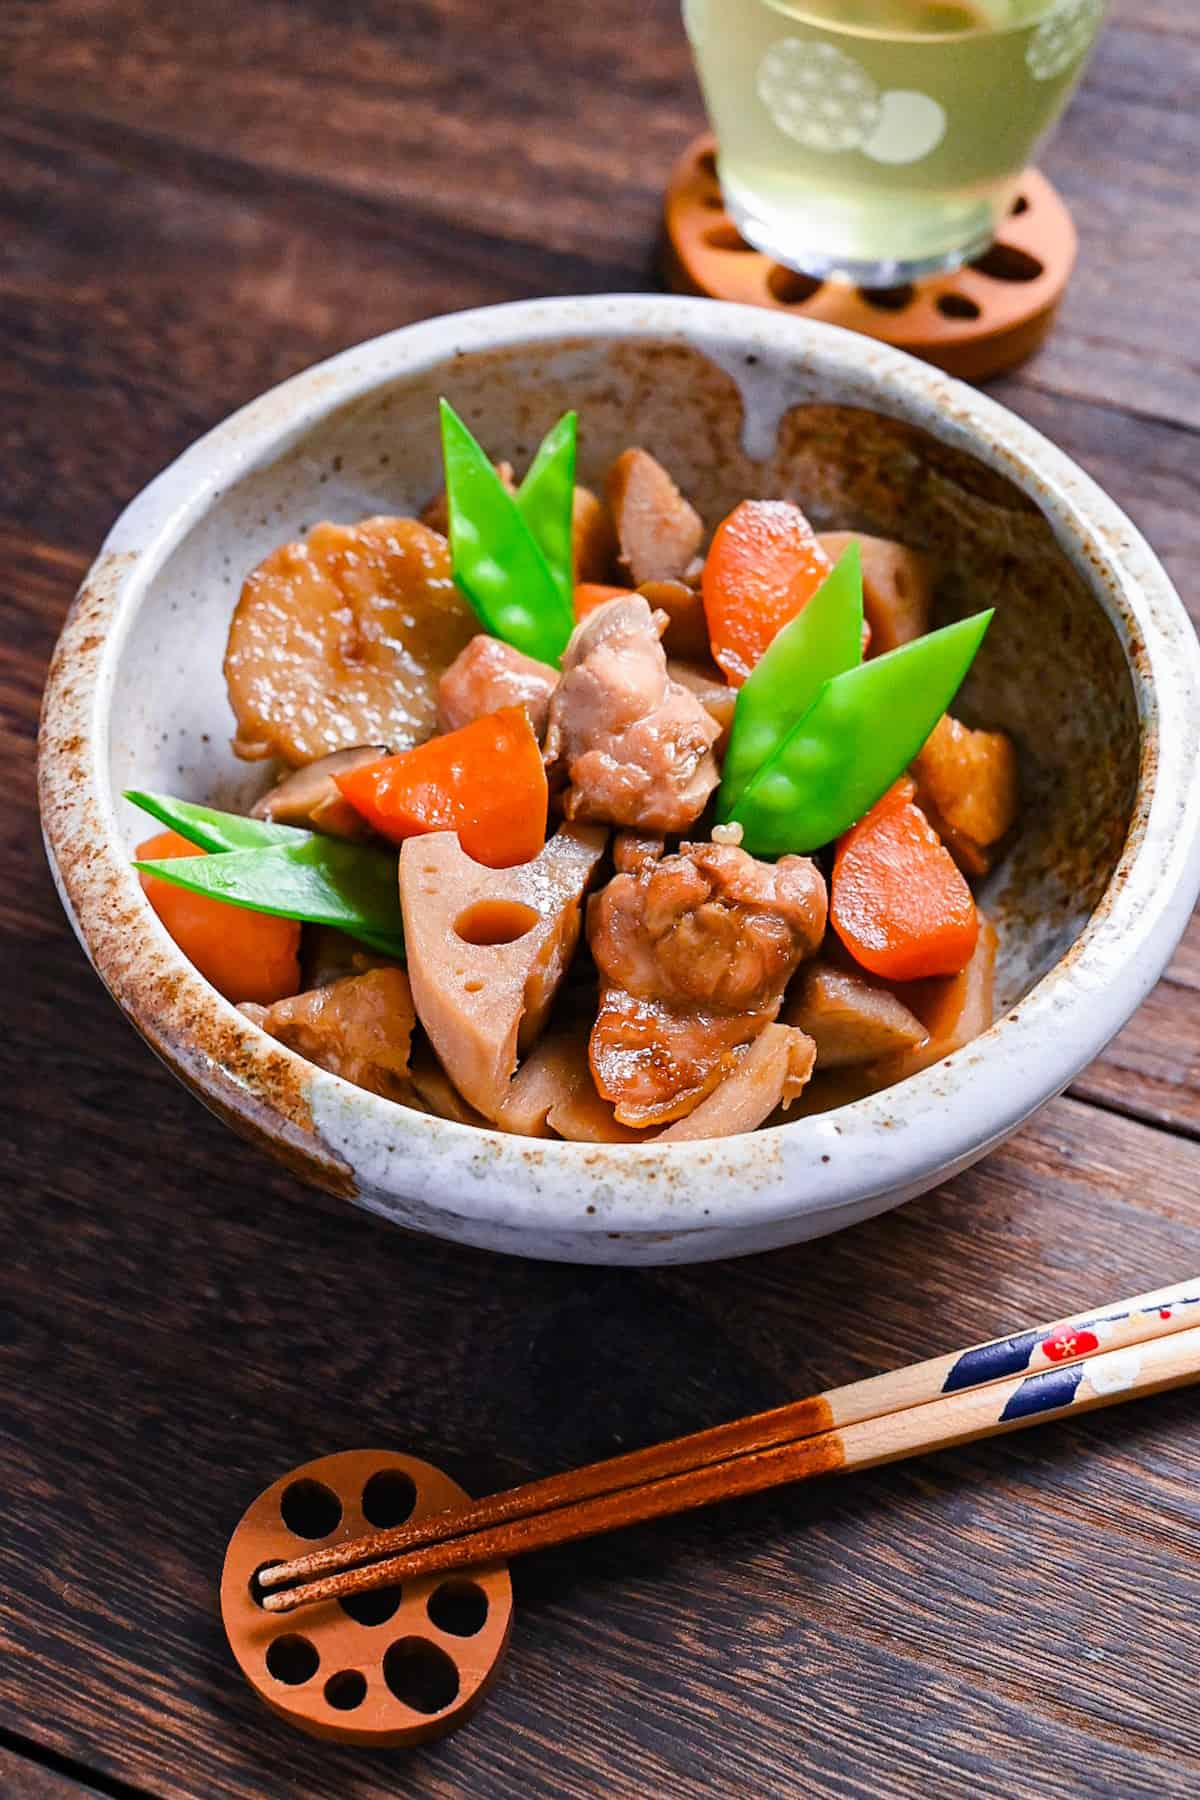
x=385, y=1669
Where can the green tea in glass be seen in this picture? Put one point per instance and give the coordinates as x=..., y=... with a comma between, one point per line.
x=879, y=140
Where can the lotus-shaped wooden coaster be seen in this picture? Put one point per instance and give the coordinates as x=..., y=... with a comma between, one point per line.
x=977, y=322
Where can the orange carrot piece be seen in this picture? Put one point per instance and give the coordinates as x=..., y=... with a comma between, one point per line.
x=590, y=594
x=897, y=900
x=763, y=566
x=486, y=781
x=245, y=955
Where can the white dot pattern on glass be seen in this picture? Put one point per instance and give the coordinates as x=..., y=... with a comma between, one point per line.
x=1061, y=40
x=818, y=96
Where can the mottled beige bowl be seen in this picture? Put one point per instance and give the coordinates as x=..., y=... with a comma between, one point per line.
x=1091, y=663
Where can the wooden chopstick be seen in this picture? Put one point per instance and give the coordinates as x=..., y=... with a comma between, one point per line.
x=992, y=1387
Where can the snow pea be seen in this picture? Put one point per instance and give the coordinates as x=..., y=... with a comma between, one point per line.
x=545, y=500
x=497, y=561
x=861, y=732
x=823, y=640
x=213, y=830
x=319, y=880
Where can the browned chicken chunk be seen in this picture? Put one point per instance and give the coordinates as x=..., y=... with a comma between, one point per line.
x=897, y=587
x=694, y=954
x=489, y=675
x=636, y=747
x=339, y=640
x=311, y=799
x=359, y=1027
x=632, y=850
x=658, y=531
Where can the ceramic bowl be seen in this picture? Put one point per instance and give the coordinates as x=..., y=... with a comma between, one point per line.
x=1091, y=663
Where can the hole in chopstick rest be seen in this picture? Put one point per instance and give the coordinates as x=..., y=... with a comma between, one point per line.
x=346, y=1690
x=888, y=299
x=791, y=288
x=707, y=164
x=375, y=1607
x=458, y=1607
x=420, y=1675
x=1020, y=205
x=309, y=1509
x=726, y=237
x=491, y=922
x=293, y=1660
x=388, y=1498
x=957, y=306
x=1004, y=262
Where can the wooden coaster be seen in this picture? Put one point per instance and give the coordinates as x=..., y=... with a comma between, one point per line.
x=383, y=1668
x=979, y=321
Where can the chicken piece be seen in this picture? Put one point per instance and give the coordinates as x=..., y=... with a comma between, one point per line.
x=967, y=786
x=311, y=798
x=849, y=1019
x=487, y=949
x=686, y=634
x=436, y=512
x=694, y=953
x=593, y=538
x=658, y=532
x=359, y=1028
x=897, y=587
x=711, y=689
x=770, y=1072
x=490, y=675
x=339, y=641
x=633, y=850
x=636, y=746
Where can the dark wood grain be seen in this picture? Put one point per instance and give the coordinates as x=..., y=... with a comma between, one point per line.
x=195, y=202
x=22, y=1778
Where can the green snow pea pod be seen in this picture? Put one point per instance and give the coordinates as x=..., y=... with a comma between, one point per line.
x=496, y=559
x=322, y=881
x=545, y=500
x=213, y=830
x=823, y=640
x=861, y=732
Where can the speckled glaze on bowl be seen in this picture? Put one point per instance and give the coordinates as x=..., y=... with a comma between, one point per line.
x=1091, y=662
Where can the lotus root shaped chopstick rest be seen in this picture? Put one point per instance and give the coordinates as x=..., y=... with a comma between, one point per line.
x=385, y=1668
x=975, y=322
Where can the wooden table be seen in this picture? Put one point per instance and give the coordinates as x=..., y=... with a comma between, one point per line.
x=197, y=201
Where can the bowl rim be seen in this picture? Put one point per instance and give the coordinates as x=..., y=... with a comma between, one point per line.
x=897, y=1141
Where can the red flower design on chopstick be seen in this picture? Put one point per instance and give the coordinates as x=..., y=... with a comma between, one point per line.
x=1067, y=1343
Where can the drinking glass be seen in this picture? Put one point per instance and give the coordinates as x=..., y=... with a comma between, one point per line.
x=880, y=140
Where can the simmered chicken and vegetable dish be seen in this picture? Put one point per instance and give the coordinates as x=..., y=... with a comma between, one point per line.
x=594, y=818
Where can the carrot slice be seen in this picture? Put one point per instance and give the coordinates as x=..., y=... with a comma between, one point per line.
x=591, y=594
x=245, y=955
x=486, y=781
x=764, y=564
x=897, y=899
